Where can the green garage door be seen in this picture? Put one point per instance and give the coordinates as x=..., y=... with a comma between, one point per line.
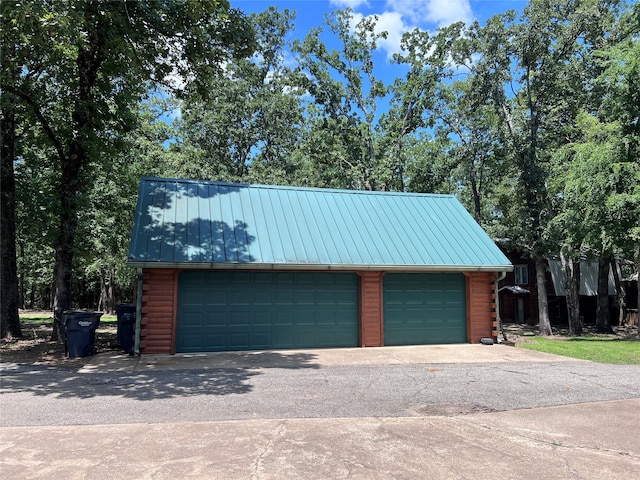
x=424, y=308
x=237, y=310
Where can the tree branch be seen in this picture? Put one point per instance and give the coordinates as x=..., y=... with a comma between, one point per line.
x=40, y=116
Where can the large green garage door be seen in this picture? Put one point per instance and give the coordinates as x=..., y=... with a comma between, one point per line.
x=424, y=308
x=237, y=310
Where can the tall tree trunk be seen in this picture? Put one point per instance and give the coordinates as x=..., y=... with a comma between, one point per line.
x=477, y=210
x=9, y=319
x=22, y=282
x=571, y=273
x=603, y=323
x=621, y=300
x=637, y=262
x=64, y=245
x=110, y=293
x=544, y=325
x=90, y=58
x=103, y=289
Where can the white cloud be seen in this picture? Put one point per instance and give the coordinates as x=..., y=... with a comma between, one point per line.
x=439, y=12
x=394, y=25
x=390, y=22
x=401, y=16
x=348, y=3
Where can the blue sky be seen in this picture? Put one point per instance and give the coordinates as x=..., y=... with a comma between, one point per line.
x=395, y=16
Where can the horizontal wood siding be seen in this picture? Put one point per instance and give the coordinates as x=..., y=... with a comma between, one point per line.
x=371, y=309
x=158, y=311
x=481, y=305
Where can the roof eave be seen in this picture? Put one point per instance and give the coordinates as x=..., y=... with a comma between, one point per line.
x=319, y=266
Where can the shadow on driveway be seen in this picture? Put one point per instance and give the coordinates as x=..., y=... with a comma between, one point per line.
x=143, y=381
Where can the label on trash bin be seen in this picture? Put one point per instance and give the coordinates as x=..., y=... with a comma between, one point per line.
x=85, y=323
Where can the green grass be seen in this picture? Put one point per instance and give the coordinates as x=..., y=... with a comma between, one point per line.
x=46, y=319
x=597, y=349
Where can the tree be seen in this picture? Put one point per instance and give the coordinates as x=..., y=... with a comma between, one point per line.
x=621, y=106
x=595, y=184
x=248, y=125
x=9, y=297
x=82, y=90
x=595, y=175
x=346, y=93
x=532, y=75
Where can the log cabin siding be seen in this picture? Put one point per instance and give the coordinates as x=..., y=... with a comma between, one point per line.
x=371, y=329
x=159, y=303
x=159, y=295
x=481, y=305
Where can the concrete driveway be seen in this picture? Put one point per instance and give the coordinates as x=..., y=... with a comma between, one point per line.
x=440, y=412
x=419, y=354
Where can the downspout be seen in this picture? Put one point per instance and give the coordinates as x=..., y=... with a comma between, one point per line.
x=136, y=344
x=498, y=319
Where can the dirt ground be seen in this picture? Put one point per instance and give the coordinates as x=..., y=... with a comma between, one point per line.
x=36, y=348
x=516, y=333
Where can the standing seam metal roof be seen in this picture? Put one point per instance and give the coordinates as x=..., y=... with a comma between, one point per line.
x=202, y=224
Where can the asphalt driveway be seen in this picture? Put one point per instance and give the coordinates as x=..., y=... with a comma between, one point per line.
x=466, y=411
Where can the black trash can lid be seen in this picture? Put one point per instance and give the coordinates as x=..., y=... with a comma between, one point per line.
x=78, y=315
x=90, y=313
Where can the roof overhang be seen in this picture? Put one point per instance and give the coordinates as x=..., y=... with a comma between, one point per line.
x=310, y=266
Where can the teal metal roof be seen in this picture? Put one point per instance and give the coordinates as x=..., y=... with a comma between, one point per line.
x=201, y=224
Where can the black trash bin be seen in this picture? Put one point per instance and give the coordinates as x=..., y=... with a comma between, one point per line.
x=126, y=326
x=80, y=332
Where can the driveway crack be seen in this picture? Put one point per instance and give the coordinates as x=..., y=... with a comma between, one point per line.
x=258, y=464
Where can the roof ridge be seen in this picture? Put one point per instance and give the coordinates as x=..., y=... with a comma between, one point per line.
x=297, y=187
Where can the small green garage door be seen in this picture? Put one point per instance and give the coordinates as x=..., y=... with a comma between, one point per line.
x=237, y=310
x=424, y=308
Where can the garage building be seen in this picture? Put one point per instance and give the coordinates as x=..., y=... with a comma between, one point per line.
x=226, y=267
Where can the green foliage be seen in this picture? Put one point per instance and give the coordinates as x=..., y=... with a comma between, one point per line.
x=596, y=167
x=345, y=91
x=78, y=99
x=247, y=129
x=533, y=122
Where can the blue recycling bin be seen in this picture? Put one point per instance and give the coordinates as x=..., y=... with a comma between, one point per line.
x=80, y=332
x=126, y=314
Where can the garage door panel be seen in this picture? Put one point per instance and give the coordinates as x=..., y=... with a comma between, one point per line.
x=262, y=297
x=306, y=297
x=283, y=337
x=216, y=340
x=264, y=278
x=261, y=338
x=305, y=337
x=305, y=318
x=424, y=308
x=239, y=340
x=241, y=278
x=193, y=319
x=239, y=298
x=213, y=298
x=346, y=298
x=284, y=298
x=283, y=318
x=192, y=298
x=216, y=319
x=262, y=319
x=305, y=278
x=283, y=278
x=240, y=318
x=261, y=310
